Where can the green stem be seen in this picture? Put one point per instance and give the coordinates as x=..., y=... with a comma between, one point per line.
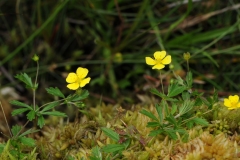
x=161, y=82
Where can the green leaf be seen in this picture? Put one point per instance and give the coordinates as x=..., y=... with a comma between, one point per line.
x=55, y=113
x=25, y=79
x=96, y=154
x=175, y=89
x=155, y=132
x=153, y=124
x=174, y=108
x=50, y=106
x=156, y=92
x=40, y=122
x=149, y=114
x=189, y=79
x=200, y=121
x=16, y=129
x=76, y=97
x=110, y=148
x=171, y=120
x=55, y=92
x=186, y=107
x=110, y=133
x=171, y=133
x=27, y=141
x=159, y=112
x=28, y=132
x=31, y=115
x=18, y=103
x=19, y=111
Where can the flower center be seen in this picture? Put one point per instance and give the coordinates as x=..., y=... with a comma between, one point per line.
x=234, y=104
x=79, y=80
x=159, y=61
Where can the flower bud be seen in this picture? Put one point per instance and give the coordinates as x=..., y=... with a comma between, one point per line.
x=186, y=56
x=35, y=57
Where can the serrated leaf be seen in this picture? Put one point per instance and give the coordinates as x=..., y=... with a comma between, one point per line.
x=25, y=79
x=174, y=108
x=153, y=124
x=55, y=113
x=155, y=132
x=110, y=148
x=110, y=133
x=175, y=89
x=76, y=97
x=55, y=91
x=18, y=103
x=200, y=121
x=189, y=79
x=40, y=122
x=156, y=92
x=31, y=115
x=148, y=114
x=171, y=133
x=28, y=132
x=159, y=112
x=50, y=106
x=96, y=154
x=15, y=129
x=19, y=111
x=27, y=141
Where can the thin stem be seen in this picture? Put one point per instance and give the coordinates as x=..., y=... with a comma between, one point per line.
x=161, y=82
x=34, y=89
x=34, y=93
x=187, y=66
x=6, y=119
x=22, y=128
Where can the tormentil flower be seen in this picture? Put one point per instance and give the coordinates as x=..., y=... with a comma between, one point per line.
x=232, y=102
x=160, y=60
x=78, y=79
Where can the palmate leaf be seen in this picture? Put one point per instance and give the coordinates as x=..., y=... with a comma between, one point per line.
x=110, y=148
x=41, y=121
x=78, y=97
x=27, y=141
x=149, y=114
x=175, y=89
x=31, y=115
x=25, y=79
x=110, y=133
x=19, y=111
x=28, y=132
x=96, y=154
x=18, y=103
x=55, y=91
x=200, y=121
x=155, y=132
x=50, y=106
x=55, y=113
x=15, y=129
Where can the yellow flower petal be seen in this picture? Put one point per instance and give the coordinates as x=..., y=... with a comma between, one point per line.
x=82, y=72
x=159, y=55
x=150, y=61
x=234, y=99
x=158, y=66
x=85, y=81
x=227, y=102
x=73, y=86
x=167, y=60
x=71, y=78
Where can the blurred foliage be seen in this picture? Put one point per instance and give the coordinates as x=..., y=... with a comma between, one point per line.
x=112, y=38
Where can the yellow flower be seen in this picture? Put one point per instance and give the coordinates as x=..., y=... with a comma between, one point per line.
x=160, y=60
x=232, y=102
x=78, y=79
